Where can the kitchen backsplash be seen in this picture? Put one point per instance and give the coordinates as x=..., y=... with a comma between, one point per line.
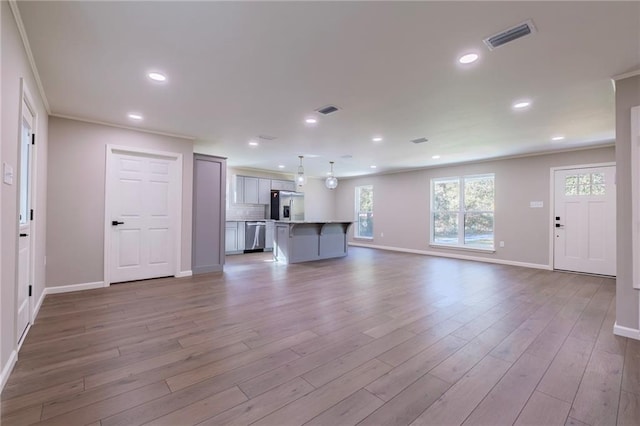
x=247, y=212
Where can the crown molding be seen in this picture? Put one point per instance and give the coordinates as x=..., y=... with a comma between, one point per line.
x=27, y=47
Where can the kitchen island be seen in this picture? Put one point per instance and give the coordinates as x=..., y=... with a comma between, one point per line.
x=304, y=241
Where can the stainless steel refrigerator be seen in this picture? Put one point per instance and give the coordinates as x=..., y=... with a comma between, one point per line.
x=287, y=205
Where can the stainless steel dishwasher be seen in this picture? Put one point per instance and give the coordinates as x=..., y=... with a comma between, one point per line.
x=254, y=236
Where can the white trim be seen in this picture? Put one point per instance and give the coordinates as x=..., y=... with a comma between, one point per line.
x=74, y=287
x=7, y=369
x=27, y=47
x=120, y=126
x=625, y=75
x=183, y=274
x=177, y=224
x=23, y=337
x=456, y=256
x=38, y=305
x=552, y=200
x=635, y=196
x=459, y=247
x=631, y=333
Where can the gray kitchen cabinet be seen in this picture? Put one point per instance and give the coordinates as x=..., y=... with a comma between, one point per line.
x=238, y=191
x=231, y=237
x=208, y=238
x=250, y=186
x=268, y=238
x=264, y=191
x=283, y=185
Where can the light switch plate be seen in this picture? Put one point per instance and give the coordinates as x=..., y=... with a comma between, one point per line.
x=7, y=174
x=536, y=204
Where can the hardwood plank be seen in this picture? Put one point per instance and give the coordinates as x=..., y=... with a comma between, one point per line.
x=629, y=409
x=257, y=385
x=27, y=416
x=408, y=404
x=335, y=368
x=566, y=370
x=631, y=372
x=202, y=409
x=349, y=411
x=458, y=402
x=503, y=404
x=402, y=376
x=597, y=399
x=309, y=406
x=183, y=397
x=542, y=409
x=265, y=404
x=107, y=407
x=41, y=396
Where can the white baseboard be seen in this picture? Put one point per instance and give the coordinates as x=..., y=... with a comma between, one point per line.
x=7, y=369
x=74, y=287
x=36, y=308
x=183, y=274
x=631, y=333
x=457, y=256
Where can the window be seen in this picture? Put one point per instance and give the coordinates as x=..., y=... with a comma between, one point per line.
x=584, y=184
x=462, y=210
x=364, y=211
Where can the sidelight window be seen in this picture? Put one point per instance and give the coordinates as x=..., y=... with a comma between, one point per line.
x=364, y=211
x=462, y=211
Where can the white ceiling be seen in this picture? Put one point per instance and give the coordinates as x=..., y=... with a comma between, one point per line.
x=237, y=70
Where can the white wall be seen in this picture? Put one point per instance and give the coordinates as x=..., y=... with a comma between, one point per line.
x=627, y=297
x=14, y=66
x=402, y=213
x=75, y=237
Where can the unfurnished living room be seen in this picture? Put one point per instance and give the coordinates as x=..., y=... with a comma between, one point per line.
x=320, y=213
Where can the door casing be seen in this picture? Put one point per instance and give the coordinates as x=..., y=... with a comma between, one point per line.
x=177, y=223
x=552, y=203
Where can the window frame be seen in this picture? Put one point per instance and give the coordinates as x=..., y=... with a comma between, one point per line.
x=356, y=208
x=461, y=212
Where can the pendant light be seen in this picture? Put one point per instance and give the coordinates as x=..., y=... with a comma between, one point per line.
x=301, y=179
x=332, y=181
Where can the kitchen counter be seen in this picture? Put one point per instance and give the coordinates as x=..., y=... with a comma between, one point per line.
x=303, y=241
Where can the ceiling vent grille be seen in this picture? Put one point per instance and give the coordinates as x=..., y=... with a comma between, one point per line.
x=521, y=30
x=329, y=109
x=267, y=137
x=419, y=140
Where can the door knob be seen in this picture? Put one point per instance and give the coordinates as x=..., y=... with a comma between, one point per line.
x=559, y=226
x=116, y=223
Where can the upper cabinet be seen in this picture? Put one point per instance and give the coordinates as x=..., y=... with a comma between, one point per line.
x=254, y=190
x=283, y=185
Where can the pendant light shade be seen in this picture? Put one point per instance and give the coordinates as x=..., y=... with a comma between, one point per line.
x=332, y=181
x=301, y=179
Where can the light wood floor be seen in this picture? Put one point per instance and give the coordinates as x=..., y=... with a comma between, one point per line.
x=378, y=338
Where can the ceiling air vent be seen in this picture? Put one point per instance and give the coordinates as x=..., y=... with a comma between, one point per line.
x=329, y=109
x=510, y=34
x=267, y=137
x=419, y=140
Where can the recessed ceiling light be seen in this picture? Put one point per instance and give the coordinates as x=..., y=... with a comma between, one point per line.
x=468, y=58
x=253, y=143
x=135, y=116
x=557, y=138
x=377, y=138
x=281, y=166
x=311, y=120
x=156, y=76
x=373, y=166
x=435, y=157
x=521, y=104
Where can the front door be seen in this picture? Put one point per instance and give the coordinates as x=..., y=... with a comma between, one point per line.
x=585, y=220
x=142, y=220
x=24, y=220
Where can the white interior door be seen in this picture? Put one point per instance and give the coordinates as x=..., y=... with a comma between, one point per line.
x=585, y=220
x=143, y=208
x=24, y=219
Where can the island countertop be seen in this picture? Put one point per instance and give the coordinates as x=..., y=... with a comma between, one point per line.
x=298, y=241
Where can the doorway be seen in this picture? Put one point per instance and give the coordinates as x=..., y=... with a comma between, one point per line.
x=26, y=227
x=584, y=220
x=143, y=206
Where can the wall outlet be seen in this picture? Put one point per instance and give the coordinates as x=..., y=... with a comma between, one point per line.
x=501, y=243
